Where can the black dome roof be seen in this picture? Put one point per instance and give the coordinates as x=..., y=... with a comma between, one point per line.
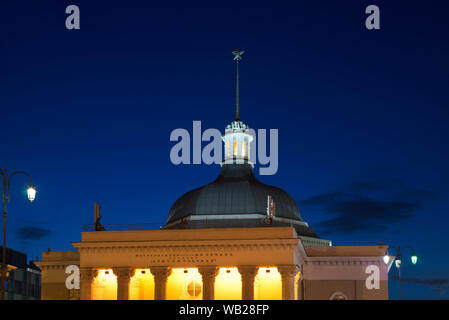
x=235, y=191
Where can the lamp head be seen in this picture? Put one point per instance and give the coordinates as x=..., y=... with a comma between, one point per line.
x=31, y=192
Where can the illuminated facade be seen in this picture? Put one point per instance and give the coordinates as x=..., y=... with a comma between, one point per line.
x=234, y=238
x=212, y=263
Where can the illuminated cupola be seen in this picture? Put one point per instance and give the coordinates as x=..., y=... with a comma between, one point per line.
x=236, y=198
x=237, y=138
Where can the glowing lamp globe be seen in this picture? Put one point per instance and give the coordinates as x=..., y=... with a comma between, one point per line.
x=31, y=191
x=386, y=258
x=398, y=263
x=414, y=258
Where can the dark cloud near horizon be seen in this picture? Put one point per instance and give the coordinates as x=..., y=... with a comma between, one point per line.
x=32, y=233
x=366, y=205
x=367, y=186
x=396, y=187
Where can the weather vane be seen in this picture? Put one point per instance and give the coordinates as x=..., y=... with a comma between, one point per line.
x=237, y=54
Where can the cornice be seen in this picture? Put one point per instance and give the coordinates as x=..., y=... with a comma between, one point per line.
x=186, y=245
x=343, y=261
x=55, y=265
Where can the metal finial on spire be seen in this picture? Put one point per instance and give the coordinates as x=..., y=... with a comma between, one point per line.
x=237, y=56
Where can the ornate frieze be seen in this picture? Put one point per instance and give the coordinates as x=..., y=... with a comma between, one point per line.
x=339, y=263
x=56, y=266
x=279, y=244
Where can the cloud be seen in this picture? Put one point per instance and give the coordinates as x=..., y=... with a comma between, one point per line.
x=440, y=285
x=390, y=187
x=325, y=198
x=364, y=214
x=32, y=233
x=366, y=186
x=366, y=205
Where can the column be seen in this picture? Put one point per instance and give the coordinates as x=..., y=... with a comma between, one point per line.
x=299, y=288
x=288, y=274
x=208, y=273
x=87, y=275
x=248, y=273
x=124, y=276
x=160, y=281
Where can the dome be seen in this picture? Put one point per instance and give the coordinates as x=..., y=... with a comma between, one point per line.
x=235, y=191
x=235, y=199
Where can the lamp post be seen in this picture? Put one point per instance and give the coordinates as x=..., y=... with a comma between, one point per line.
x=398, y=262
x=31, y=192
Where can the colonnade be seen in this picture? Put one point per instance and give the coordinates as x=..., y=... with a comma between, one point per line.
x=208, y=273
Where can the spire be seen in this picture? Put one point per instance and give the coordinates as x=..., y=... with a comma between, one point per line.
x=237, y=56
x=237, y=138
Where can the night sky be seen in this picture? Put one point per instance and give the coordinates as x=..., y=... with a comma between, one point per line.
x=362, y=115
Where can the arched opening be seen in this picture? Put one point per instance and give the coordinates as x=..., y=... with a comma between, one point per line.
x=184, y=284
x=338, y=296
x=141, y=286
x=268, y=284
x=104, y=286
x=235, y=148
x=228, y=284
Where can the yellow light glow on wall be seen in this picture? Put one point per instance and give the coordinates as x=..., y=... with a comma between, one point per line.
x=185, y=284
x=141, y=286
x=228, y=284
x=104, y=286
x=297, y=287
x=228, y=149
x=235, y=148
x=268, y=284
x=243, y=149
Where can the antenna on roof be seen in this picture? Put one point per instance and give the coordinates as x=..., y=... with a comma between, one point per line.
x=97, y=217
x=271, y=206
x=271, y=209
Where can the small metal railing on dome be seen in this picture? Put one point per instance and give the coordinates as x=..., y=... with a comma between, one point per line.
x=125, y=226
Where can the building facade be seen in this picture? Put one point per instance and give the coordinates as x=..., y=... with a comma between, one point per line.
x=234, y=238
x=24, y=279
x=212, y=263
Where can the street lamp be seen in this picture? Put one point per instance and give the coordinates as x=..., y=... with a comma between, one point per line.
x=31, y=192
x=414, y=258
x=398, y=262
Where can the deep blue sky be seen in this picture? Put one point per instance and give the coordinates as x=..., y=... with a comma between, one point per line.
x=362, y=115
